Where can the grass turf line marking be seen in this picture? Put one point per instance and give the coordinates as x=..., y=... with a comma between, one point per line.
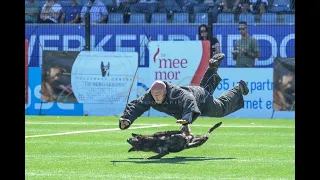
x=88, y=131
x=196, y=125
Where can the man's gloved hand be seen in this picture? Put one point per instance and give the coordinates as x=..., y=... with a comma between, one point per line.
x=181, y=121
x=124, y=123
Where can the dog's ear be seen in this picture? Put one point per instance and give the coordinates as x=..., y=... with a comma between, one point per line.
x=134, y=135
x=131, y=149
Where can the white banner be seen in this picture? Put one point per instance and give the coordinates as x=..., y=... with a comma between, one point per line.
x=178, y=62
x=258, y=103
x=101, y=80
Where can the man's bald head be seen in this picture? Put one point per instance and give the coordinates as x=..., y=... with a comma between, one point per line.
x=158, y=91
x=158, y=85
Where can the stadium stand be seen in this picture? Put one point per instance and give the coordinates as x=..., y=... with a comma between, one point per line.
x=115, y=18
x=201, y=18
x=226, y=18
x=289, y=18
x=180, y=18
x=172, y=6
x=201, y=8
x=175, y=11
x=159, y=18
x=110, y=4
x=281, y=6
x=248, y=17
x=137, y=18
x=268, y=18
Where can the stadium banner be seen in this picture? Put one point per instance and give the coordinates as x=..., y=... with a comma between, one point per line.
x=276, y=40
x=102, y=81
x=258, y=103
x=95, y=79
x=36, y=107
x=26, y=71
x=284, y=86
x=56, y=76
x=179, y=62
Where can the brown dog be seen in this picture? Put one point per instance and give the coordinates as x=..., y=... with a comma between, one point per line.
x=168, y=141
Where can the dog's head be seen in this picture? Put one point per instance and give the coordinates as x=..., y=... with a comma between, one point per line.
x=105, y=69
x=53, y=73
x=140, y=142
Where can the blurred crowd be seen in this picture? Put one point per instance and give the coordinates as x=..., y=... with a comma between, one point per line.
x=75, y=11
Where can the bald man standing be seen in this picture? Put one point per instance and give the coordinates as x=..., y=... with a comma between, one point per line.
x=187, y=103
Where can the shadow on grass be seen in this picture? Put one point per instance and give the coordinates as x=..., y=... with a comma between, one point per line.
x=177, y=160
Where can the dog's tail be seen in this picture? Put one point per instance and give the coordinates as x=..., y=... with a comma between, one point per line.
x=197, y=141
x=211, y=129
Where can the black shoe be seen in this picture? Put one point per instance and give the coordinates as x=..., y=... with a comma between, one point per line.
x=214, y=62
x=244, y=88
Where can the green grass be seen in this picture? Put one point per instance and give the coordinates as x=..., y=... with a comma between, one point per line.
x=247, y=149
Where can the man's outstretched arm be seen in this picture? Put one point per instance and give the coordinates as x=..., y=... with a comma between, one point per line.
x=190, y=110
x=133, y=110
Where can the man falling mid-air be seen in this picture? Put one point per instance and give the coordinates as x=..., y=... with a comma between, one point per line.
x=187, y=103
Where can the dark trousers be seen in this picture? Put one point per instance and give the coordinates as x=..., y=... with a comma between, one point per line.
x=227, y=103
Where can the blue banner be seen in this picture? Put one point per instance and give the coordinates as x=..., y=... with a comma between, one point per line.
x=36, y=107
x=274, y=40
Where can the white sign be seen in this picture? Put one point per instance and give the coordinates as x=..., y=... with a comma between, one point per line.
x=178, y=62
x=260, y=83
x=257, y=104
x=103, y=77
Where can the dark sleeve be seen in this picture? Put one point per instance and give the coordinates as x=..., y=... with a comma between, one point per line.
x=213, y=44
x=214, y=40
x=137, y=107
x=190, y=109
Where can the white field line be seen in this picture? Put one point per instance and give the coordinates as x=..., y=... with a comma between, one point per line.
x=199, y=125
x=85, y=123
x=88, y=131
x=245, y=126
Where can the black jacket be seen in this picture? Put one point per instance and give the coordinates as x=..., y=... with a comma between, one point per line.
x=181, y=102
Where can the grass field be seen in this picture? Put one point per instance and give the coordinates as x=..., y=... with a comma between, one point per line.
x=94, y=148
